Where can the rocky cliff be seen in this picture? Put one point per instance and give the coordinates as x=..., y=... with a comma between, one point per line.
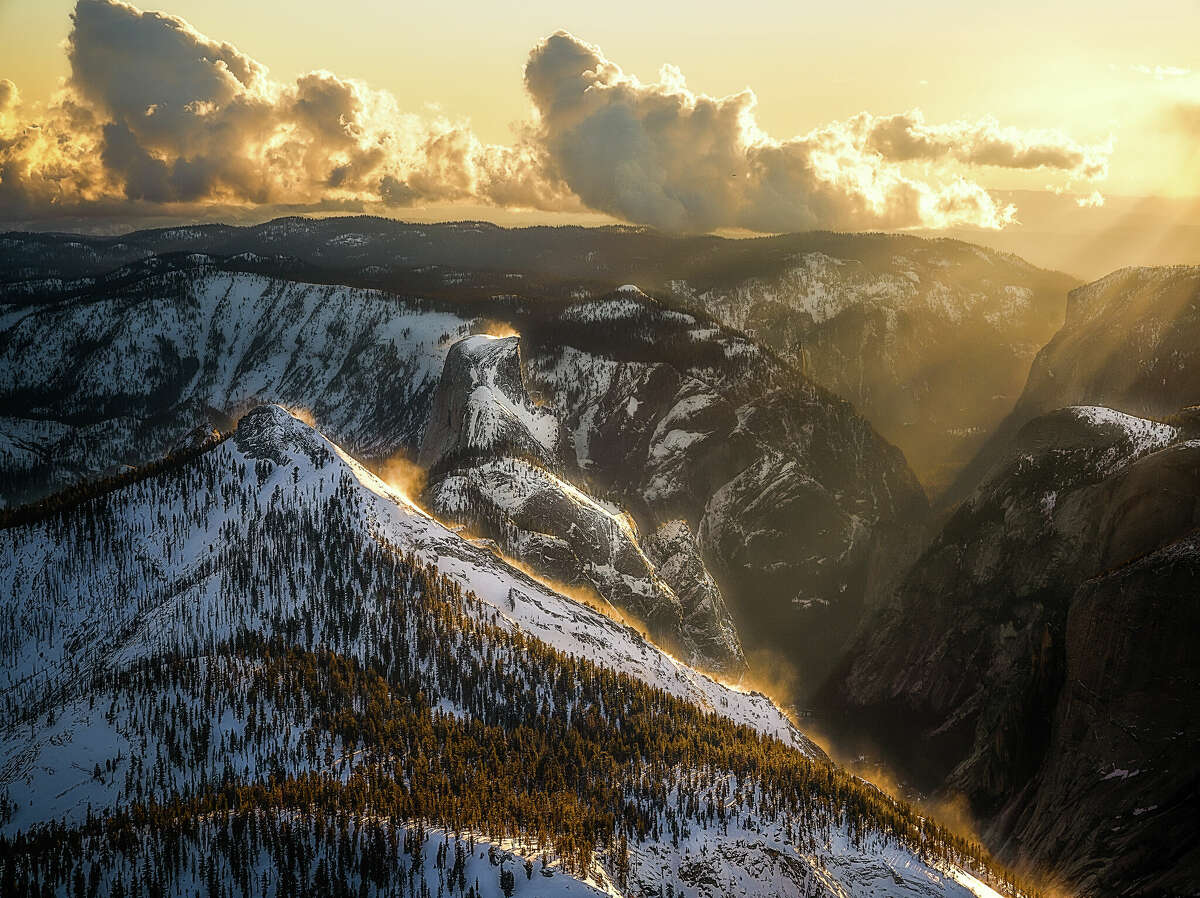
x=1028, y=659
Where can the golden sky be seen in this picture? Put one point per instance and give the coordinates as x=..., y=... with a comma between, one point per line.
x=1086, y=98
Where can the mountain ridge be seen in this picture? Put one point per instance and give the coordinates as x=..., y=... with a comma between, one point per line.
x=293, y=485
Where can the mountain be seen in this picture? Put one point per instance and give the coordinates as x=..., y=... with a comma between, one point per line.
x=492, y=457
x=930, y=339
x=786, y=512
x=1037, y=657
x=260, y=668
x=797, y=505
x=685, y=431
x=1131, y=341
x=122, y=376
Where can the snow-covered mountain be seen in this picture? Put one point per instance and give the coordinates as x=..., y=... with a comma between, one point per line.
x=263, y=669
x=800, y=511
x=1068, y=677
x=930, y=339
x=765, y=499
x=492, y=457
x=302, y=671
x=785, y=513
x=119, y=377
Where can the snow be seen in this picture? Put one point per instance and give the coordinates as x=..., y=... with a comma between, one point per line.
x=225, y=341
x=604, y=310
x=752, y=857
x=1144, y=436
x=557, y=620
x=1119, y=773
x=155, y=584
x=493, y=405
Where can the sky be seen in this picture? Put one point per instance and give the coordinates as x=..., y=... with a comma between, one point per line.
x=769, y=116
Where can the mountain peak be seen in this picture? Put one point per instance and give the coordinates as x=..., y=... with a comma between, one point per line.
x=482, y=404
x=274, y=433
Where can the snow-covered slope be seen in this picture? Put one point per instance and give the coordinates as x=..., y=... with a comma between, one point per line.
x=226, y=661
x=164, y=555
x=493, y=458
x=94, y=382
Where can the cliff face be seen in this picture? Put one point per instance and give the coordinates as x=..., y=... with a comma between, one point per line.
x=1008, y=666
x=493, y=466
x=1131, y=341
x=691, y=478
x=1124, y=729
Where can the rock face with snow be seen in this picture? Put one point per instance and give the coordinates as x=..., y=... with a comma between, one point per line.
x=792, y=496
x=675, y=554
x=121, y=376
x=493, y=465
x=758, y=491
x=1131, y=341
x=266, y=666
x=1041, y=649
x=481, y=407
x=931, y=340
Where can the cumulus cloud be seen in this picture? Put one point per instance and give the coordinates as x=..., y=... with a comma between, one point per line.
x=170, y=116
x=156, y=114
x=662, y=154
x=197, y=119
x=10, y=97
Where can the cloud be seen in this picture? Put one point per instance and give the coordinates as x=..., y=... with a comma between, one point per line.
x=10, y=97
x=196, y=119
x=156, y=115
x=661, y=154
x=173, y=117
x=907, y=137
x=1161, y=72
